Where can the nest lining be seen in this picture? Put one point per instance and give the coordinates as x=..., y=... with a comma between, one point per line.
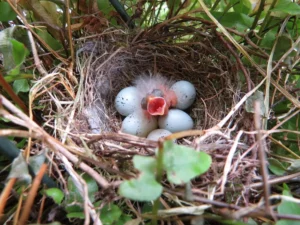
x=113, y=61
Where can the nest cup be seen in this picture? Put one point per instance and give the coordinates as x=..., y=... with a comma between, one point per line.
x=115, y=59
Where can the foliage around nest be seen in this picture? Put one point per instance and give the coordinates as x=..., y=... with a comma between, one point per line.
x=237, y=53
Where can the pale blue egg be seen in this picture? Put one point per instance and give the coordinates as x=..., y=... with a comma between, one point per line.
x=138, y=124
x=157, y=134
x=185, y=92
x=126, y=101
x=175, y=121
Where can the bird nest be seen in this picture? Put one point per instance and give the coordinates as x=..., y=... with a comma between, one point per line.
x=112, y=60
x=115, y=59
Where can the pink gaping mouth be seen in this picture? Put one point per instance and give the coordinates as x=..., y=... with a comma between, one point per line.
x=156, y=106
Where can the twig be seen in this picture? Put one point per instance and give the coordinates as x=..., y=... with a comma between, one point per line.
x=262, y=157
x=229, y=160
x=36, y=58
x=276, y=180
x=31, y=195
x=5, y=193
x=121, y=137
x=6, y=86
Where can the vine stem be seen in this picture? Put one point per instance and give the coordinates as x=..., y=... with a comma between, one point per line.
x=159, y=175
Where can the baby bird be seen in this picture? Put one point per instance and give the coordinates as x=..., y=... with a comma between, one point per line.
x=155, y=95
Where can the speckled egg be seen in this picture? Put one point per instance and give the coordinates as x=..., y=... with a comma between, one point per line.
x=157, y=134
x=185, y=92
x=126, y=101
x=175, y=121
x=138, y=124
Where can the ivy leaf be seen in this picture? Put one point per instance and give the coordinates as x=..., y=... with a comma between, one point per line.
x=276, y=167
x=11, y=48
x=145, y=188
x=75, y=196
x=242, y=6
x=286, y=6
x=235, y=20
x=6, y=12
x=92, y=186
x=288, y=207
x=183, y=163
x=56, y=194
x=104, y=6
x=19, y=53
x=78, y=215
x=144, y=164
x=284, y=43
x=51, y=41
x=110, y=214
x=20, y=86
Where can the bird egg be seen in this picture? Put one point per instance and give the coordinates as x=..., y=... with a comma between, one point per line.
x=185, y=92
x=126, y=101
x=139, y=124
x=175, y=121
x=157, y=134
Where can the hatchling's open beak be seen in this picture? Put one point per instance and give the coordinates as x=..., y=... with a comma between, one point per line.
x=156, y=106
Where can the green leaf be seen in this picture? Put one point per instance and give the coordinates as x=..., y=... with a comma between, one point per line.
x=76, y=215
x=19, y=52
x=242, y=6
x=145, y=188
x=287, y=6
x=276, y=167
x=288, y=207
x=284, y=43
x=183, y=163
x=21, y=86
x=105, y=6
x=56, y=194
x=6, y=12
x=268, y=39
x=297, y=80
x=75, y=196
x=92, y=186
x=144, y=164
x=6, y=47
x=124, y=219
x=236, y=20
x=110, y=214
x=52, y=42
